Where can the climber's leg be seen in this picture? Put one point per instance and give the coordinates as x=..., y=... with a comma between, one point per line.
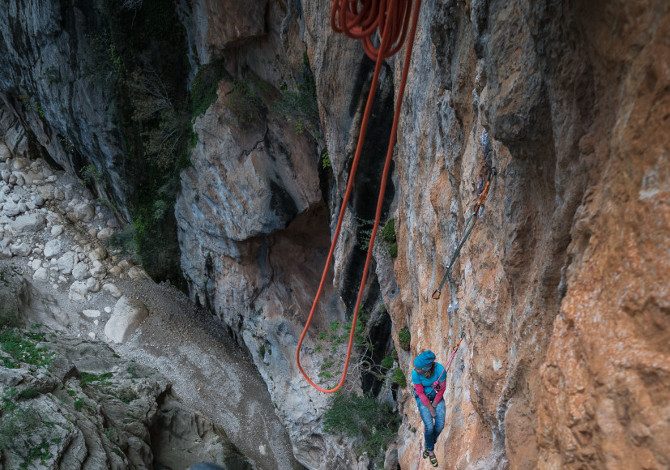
x=428, y=425
x=440, y=412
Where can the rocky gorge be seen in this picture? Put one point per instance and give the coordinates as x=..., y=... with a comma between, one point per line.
x=206, y=145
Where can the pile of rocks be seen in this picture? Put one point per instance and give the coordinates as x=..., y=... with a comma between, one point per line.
x=51, y=226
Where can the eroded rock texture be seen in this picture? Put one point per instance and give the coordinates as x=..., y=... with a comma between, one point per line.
x=561, y=292
x=56, y=76
x=561, y=289
x=73, y=403
x=573, y=99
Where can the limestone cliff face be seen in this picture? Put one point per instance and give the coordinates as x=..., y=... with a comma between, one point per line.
x=564, y=317
x=57, y=79
x=561, y=291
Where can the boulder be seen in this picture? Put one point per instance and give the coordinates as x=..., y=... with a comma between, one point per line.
x=80, y=271
x=66, y=262
x=78, y=291
x=12, y=209
x=98, y=254
x=41, y=274
x=112, y=290
x=28, y=223
x=127, y=316
x=91, y=313
x=20, y=249
x=56, y=230
x=105, y=233
x=82, y=212
x=52, y=248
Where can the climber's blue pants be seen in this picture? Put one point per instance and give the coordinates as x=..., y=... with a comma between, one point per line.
x=432, y=427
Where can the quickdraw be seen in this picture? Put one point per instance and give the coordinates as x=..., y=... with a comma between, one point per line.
x=477, y=212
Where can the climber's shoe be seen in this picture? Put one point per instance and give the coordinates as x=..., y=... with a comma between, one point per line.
x=430, y=456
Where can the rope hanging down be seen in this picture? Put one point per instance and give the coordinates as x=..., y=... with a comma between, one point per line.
x=477, y=211
x=364, y=20
x=454, y=350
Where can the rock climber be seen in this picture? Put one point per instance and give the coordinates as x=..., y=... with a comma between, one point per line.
x=429, y=379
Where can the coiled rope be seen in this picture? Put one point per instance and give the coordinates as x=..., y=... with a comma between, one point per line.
x=365, y=20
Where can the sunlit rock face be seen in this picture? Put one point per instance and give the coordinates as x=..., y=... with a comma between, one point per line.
x=560, y=292
x=549, y=288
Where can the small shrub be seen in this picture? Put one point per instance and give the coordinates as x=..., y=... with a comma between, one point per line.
x=389, y=236
x=245, y=100
x=364, y=417
x=79, y=404
x=393, y=250
x=325, y=160
x=40, y=110
x=387, y=362
x=298, y=104
x=204, y=87
x=39, y=452
x=398, y=377
x=364, y=233
x=90, y=174
x=86, y=378
x=106, y=64
x=29, y=393
x=405, y=338
x=23, y=348
x=124, y=240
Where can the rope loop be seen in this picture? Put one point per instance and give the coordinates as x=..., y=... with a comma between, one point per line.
x=364, y=20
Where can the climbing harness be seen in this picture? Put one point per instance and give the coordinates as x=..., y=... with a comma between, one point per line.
x=477, y=211
x=454, y=350
x=365, y=20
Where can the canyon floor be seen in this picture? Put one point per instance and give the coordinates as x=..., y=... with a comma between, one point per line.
x=58, y=238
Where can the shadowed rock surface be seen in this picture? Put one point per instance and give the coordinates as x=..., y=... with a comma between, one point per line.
x=561, y=291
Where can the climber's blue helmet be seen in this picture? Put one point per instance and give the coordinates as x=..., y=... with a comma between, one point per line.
x=424, y=361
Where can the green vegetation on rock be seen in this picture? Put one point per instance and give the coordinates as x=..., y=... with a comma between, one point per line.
x=398, y=377
x=405, y=338
x=19, y=347
x=389, y=236
x=326, y=164
x=142, y=52
x=204, y=86
x=298, y=103
x=375, y=424
x=86, y=378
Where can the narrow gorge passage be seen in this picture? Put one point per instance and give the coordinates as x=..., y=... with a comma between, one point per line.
x=170, y=177
x=212, y=381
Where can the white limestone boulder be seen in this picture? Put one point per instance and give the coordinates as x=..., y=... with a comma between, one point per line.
x=127, y=316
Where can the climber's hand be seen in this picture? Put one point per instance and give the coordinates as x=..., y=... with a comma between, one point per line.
x=432, y=411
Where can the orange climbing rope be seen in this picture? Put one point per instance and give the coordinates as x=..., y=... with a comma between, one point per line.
x=454, y=350
x=364, y=20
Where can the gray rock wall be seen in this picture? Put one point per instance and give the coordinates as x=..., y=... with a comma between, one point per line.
x=573, y=98
x=58, y=75
x=540, y=80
